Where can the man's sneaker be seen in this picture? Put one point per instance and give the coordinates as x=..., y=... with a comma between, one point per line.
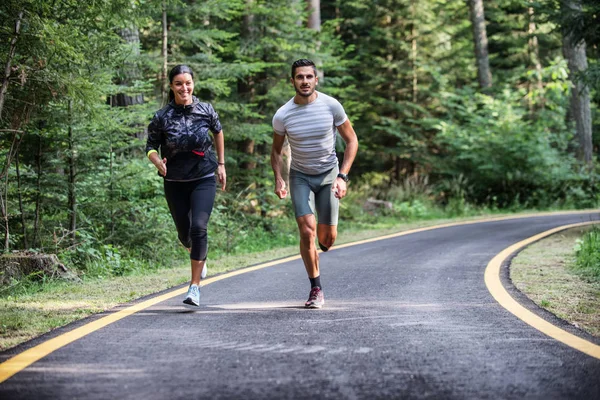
x=193, y=296
x=203, y=273
x=315, y=298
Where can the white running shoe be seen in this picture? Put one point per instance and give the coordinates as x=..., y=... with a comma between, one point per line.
x=193, y=296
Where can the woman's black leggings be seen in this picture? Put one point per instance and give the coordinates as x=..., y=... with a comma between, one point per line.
x=190, y=204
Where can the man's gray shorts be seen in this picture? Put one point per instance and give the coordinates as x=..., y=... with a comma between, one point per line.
x=313, y=192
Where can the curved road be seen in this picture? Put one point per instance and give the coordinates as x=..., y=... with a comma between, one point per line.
x=405, y=317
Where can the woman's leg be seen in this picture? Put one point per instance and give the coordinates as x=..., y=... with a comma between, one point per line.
x=178, y=200
x=202, y=199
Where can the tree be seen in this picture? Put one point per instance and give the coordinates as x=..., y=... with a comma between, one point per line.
x=128, y=71
x=480, y=40
x=574, y=47
x=62, y=61
x=164, y=79
x=9, y=59
x=580, y=110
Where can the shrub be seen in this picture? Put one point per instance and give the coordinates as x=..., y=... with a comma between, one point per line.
x=587, y=252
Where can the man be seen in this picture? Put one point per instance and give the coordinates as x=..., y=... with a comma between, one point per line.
x=310, y=120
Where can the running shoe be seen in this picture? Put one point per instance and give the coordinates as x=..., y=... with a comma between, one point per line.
x=193, y=296
x=203, y=273
x=315, y=298
x=323, y=248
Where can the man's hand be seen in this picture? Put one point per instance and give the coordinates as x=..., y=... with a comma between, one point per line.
x=280, y=189
x=339, y=188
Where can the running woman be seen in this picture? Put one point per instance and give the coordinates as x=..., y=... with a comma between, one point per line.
x=310, y=121
x=188, y=165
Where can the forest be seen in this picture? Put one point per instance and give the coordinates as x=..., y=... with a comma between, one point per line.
x=459, y=106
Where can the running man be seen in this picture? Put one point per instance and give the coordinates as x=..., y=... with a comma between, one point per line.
x=310, y=121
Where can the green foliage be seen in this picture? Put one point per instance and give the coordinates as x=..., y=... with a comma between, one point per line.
x=405, y=72
x=587, y=252
x=509, y=157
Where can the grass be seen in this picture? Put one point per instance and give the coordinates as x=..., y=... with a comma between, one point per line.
x=546, y=273
x=587, y=252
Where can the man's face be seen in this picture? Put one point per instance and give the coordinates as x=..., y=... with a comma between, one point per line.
x=305, y=81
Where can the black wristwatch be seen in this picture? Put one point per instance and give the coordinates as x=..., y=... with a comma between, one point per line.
x=343, y=176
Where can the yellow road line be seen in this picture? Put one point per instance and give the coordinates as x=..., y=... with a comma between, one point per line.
x=28, y=357
x=494, y=285
x=22, y=360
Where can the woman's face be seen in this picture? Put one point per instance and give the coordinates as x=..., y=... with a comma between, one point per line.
x=183, y=87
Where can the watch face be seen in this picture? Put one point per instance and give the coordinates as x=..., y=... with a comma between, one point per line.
x=343, y=176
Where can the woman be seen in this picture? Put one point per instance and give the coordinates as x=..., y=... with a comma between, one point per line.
x=188, y=164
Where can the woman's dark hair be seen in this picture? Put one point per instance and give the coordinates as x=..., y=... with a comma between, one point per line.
x=177, y=70
x=303, y=62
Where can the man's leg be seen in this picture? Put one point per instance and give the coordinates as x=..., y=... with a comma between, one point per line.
x=327, y=235
x=303, y=202
x=327, y=206
x=308, y=251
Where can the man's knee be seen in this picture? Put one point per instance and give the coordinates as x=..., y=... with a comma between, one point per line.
x=327, y=236
x=326, y=243
x=307, y=228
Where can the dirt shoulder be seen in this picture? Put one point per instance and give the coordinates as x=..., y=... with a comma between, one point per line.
x=543, y=272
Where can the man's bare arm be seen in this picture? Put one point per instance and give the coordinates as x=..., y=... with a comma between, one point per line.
x=276, y=163
x=349, y=136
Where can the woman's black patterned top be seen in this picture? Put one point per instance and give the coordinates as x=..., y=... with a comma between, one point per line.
x=181, y=135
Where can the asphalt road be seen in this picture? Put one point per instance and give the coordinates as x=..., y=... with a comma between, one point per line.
x=405, y=318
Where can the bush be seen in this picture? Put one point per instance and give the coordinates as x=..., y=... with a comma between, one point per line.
x=587, y=252
x=509, y=157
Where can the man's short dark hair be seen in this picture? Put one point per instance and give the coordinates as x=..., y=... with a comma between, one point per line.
x=303, y=62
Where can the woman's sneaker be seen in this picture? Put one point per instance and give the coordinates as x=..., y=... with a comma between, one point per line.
x=193, y=296
x=315, y=298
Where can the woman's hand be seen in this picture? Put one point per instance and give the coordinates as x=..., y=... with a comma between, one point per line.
x=161, y=165
x=222, y=175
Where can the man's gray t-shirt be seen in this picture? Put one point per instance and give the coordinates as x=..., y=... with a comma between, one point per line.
x=311, y=131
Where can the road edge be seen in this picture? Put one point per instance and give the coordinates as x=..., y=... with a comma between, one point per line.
x=492, y=278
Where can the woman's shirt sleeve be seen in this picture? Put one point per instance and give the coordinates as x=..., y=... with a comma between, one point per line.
x=215, y=124
x=154, y=134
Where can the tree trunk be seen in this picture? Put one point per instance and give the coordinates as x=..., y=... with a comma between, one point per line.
x=413, y=58
x=164, y=54
x=38, y=195
x=72, y=175
x=314, y=23
x=534, y=58
x=129, y=71
x=4, y=209
x=21, y=211
x=314, y=16
x=247, y=86
x=484, y=75
x=14, y=148
x=580, y=111
x=9, y=58
x=111, y=192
